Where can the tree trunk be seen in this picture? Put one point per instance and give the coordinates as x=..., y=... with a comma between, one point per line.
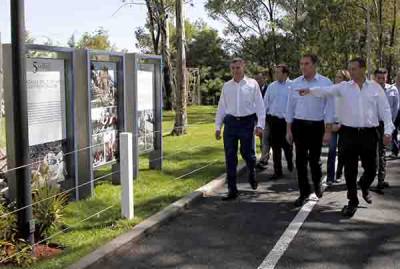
x=181, y=92
x=272, y=21
x=168, y=86
x=392, y=40
x=152, y=19
x=380, y=33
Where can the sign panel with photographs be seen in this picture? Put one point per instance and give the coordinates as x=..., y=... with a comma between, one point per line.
x=145, y=95
x=104, y=112
x=46, y=118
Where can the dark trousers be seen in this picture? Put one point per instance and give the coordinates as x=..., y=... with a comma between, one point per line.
x=307, y=136
x=381, y=154
x=395, y=141
x=235, y=130
x=358, y=144
x=278, y=142
x=333, y=145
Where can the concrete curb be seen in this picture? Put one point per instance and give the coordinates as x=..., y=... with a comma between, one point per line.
x=152, y=223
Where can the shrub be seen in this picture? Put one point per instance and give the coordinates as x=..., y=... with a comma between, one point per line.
x=48, y=209
x=13, y=250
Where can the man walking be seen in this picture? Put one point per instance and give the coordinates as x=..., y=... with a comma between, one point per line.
x=305, y=118
x=264, y=140
x=380, y=76
x=240, y=109
x=275, y=102
x=362, y=103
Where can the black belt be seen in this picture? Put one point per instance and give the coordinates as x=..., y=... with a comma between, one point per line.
x=309, y=122
x=358, y=129
x=244, y=118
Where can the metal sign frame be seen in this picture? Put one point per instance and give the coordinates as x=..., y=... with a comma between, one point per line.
x=69, y=148
x=142, y=62
x=82, y=71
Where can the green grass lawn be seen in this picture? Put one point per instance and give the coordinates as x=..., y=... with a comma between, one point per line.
x=154, y=190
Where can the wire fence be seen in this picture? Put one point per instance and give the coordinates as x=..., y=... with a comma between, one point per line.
x=90, y=181
x=96, y=145
x=96, y=214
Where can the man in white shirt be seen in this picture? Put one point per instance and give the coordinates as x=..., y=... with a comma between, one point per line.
x=380, y=76
x=306, y=117
x=363, y=104
x=275, y=102
x=240, y=110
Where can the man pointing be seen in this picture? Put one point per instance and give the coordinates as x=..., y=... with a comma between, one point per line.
x=363, y=103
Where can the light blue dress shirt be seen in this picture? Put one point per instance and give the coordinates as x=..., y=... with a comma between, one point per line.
x=392, y=95
x=310, y=107
x=276, y=98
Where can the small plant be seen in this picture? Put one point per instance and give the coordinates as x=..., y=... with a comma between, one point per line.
x=48, y=207
x=13, y=250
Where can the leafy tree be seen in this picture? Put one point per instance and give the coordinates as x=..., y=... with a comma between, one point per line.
x=98, y=39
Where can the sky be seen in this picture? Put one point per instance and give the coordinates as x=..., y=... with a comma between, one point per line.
x=59, y=19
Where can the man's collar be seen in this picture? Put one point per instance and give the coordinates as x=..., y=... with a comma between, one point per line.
x=367, y=81
x=245, y=78
x=316, y=77
x=283, y=82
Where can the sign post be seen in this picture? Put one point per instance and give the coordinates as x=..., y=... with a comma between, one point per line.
x=19, y=102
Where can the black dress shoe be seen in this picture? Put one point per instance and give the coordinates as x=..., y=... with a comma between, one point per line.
x=276, y=176
x=349, y=210
x=290, y=166
x=299, y=201
x=253, y=183
x=318, y=191
x=252, y=179
x=367, y=196
x=383, y=184
x=230, y=196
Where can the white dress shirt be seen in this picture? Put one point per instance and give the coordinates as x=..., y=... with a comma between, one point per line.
x=360, y=108
x=338, y=110
x=276, y=98
x=240, y=100
x=310, y=107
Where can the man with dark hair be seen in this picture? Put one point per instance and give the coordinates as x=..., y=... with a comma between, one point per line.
x=240, y=110
x=363, y=104
x=275, y=102
x=306, y=117
x=380, y=76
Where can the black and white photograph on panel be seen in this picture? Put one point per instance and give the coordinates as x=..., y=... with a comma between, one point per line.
x=145, y=111
x=104, y=119
x=48, y=163
x=104, y=112
x=98, y=150
x=103, y=84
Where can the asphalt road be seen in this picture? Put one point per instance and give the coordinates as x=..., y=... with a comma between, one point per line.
x=241, y=233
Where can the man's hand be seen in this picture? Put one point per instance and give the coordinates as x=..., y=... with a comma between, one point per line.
x=259, y=132
x=289, y=137
x=327, y=137
x=336, y=127
x=303, y=92
x=218, y=134
x=387, y=139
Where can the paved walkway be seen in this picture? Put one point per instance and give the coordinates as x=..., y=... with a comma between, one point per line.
x=241, y=234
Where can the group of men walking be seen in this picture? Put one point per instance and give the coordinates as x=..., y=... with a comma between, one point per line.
x=357, y=115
